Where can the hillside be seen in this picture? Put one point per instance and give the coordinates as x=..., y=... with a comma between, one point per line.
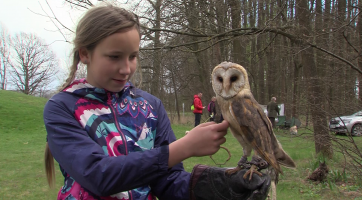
x=22, y=142
x=19, y=112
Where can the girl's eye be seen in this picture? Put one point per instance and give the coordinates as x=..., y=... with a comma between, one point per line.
x=133, y=57
x=113, y=57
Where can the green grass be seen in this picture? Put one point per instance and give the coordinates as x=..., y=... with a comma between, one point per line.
x=22, y=142
x=293, y=184
x=23, y=136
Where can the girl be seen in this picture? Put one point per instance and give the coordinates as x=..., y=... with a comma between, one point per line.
x=114, y=141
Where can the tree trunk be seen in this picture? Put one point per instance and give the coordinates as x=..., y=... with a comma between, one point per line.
x=359, y=29
x=320, y=61
x=270, y=55
x=237, y=51
x=321, y=134
x=194, y=23
x=176, y=97
x=295, y=96
x=260, y=54
x=253, y=69
x=157, y=75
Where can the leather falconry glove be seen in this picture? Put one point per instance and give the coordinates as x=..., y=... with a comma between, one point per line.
x=211, y=183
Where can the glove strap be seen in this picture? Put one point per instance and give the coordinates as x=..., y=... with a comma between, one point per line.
x=195, y=174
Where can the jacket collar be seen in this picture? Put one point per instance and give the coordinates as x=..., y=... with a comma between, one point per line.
x=82, y=88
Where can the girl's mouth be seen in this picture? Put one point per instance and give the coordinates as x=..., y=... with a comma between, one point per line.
x=120, y=81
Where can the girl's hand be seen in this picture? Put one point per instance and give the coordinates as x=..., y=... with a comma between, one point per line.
x=205, y=139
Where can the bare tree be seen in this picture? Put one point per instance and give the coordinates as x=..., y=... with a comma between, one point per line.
x=4, y=55
x=306, y=53
x=33, y=64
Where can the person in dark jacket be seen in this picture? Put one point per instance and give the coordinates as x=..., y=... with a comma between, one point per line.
x=218, y=118
x=212, y=109
x=114, y=141
x=198, y=108
x=273, y=110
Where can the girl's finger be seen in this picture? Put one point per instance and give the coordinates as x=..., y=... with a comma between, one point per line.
x=206, y=124
x=221, y=141
x=222, y=126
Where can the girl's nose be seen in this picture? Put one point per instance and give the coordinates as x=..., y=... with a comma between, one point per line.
x=125, y=67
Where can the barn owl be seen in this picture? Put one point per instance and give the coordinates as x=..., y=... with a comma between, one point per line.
x=248, y=123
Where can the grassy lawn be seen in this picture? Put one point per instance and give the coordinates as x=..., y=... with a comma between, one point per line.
x=23, y=139
x=22, y=145
x=293, y=184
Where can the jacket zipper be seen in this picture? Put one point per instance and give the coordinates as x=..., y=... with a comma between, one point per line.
x=116, y=122
x=109, y=102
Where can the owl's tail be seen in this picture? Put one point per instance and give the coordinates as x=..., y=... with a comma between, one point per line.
x=270, y=158
x=283, y=158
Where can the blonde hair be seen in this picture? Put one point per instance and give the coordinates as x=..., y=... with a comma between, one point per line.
x=97, y=23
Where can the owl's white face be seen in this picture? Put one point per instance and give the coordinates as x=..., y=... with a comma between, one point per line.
x=228, y=79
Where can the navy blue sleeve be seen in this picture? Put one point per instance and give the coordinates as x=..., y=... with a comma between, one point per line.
x=175, y=183
x=85, y=161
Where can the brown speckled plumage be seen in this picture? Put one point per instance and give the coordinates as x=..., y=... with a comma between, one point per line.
x=248, y=123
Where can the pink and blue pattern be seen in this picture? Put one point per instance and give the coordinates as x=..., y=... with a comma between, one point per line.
x=120, y=123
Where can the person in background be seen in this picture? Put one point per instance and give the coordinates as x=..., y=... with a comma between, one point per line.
x=198, y=108
x=273, y=110
x=114, y=141
x=211, y=107
x=218, y=118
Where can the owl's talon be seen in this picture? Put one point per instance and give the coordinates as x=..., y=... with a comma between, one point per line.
x=251, y=171
x=243, y=163
x=233, y=171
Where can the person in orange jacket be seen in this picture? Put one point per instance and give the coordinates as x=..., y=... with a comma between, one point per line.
x=198, y=108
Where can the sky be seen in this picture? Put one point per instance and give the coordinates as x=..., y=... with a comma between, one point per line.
x=20, y=16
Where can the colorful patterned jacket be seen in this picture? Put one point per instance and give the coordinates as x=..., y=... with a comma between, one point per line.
x=112, y=145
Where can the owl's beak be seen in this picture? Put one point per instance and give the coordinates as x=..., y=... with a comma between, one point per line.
x=226, y=87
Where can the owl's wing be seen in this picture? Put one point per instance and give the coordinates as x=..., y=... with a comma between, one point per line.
x=256, y=128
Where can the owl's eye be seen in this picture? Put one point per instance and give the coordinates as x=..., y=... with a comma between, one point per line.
x=233, y=79
x=219, y=79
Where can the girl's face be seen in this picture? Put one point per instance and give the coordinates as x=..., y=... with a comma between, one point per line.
x=113, y=61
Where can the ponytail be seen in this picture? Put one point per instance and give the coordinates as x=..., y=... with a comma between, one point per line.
x=49, y=166
x=48, y=157
x=73, y=70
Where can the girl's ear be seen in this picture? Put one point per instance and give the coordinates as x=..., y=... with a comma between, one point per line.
x=84, y=55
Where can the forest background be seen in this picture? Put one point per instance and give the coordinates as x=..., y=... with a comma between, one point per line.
x=307, y=53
